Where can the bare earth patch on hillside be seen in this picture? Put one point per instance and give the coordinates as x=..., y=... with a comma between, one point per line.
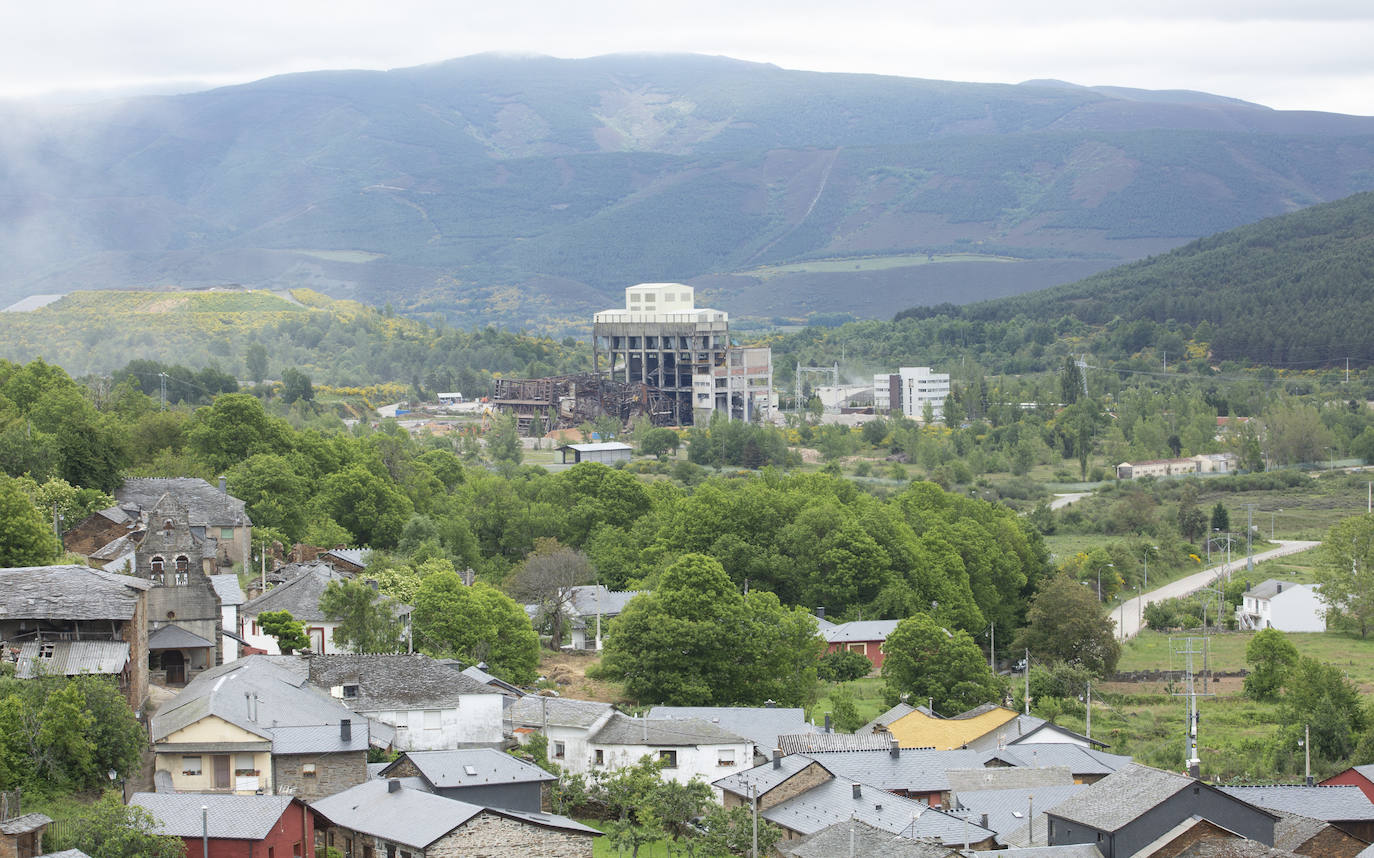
x=569, y=671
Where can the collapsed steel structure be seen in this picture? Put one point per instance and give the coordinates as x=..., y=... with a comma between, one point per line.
x=568, y=401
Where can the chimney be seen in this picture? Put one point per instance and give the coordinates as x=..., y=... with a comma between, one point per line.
x=346, y=730
x=895, y=749
x=858, y=791
x=223, y=485
x=392, y=785
x=820, y=612
x=827, y=722
x=771, y=704
x=983, y=820
x=1280, y=588
x=777, y=758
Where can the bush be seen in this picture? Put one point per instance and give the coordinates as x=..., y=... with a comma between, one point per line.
x=843, y=665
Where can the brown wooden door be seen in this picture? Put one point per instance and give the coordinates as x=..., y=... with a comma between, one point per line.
x=221, y=771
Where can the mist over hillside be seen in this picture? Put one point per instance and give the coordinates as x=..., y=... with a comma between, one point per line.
x=529, y=190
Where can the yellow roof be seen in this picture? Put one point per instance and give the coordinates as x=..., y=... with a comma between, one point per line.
x=919, y=730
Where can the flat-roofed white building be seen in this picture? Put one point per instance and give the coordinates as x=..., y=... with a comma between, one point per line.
x=908, y=390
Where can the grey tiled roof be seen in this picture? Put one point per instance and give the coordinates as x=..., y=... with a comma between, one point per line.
x=1121, y=797
x=228, y=589
x=833, y=801
x=1078, y=759
x=72, y=658
x=24, y=824
x=283, y=701
x=762, y=725
x=300, y=595
x=860, y=630
x=68, y=593
x=417, y=818
x=175, y=637
x=472, y=767
x=355, y=556
x=319, y=738
x=807, y=743
x=590, y=599
x=621, y=729
x=204, y=503
x=115, y=548
x=883, y=720
x=1002, y=777
x=865, y=840
x=532, y=711
x=1293, y=830
x=232, y=817
x=1068, y=850
x=1269, y=589
x=1008, y=809
x=392, y=681
x=1330, y=803
x=914, y=770
x=475, y=672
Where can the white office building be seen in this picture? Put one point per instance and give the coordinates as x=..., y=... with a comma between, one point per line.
x=908, y=390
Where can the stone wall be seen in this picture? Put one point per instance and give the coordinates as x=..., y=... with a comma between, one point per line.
x=811, y=776
x=333, y=773
x=489, y=835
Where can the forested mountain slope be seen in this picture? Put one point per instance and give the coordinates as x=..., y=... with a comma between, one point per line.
x=529, y=190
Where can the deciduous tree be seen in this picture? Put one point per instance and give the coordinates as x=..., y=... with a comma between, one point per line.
x=1345, y=573
x=367, y=621
x=923, y=660
x=1065, y=623
x=110, y=829
x=288, y=631
x=546, y=579
x=475, y=624
x=1272, y=655
x=26, y=535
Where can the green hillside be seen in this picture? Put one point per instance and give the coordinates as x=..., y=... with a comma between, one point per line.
x=530, y=190
x=342, y=343
x=1287, y=290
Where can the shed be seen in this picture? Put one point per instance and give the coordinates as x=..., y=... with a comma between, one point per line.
x=605, y=452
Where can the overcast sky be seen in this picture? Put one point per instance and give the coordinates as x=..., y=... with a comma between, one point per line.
x=1288, y=54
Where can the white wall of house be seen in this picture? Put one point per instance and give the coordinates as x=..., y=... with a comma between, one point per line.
x=1296, y=609
x=321, y=635
x=707, y=762
x=229, y=621
x=476, y=719
x=568, y=746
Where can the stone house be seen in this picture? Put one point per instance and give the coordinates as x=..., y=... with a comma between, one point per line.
x=74, y=619
x=251, y=725
x=383, y=818
x=22, y=836
x=567, y=723
x=216, y=517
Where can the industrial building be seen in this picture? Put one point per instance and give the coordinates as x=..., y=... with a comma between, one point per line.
x=909, y=390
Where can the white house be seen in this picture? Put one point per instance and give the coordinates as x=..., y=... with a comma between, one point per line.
x=431, y=706
x=300, y=595
x=231, y=599
x=687, y=747
x=568, y=724
x=1282, y=605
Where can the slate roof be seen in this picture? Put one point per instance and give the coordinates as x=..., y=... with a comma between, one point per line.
x=290, y=714
x=587, y=600
x=71, y=658
x=1009, y=809
x=833, y=800
x=534, y=710
x=1331, y=803
x=205, y=504
x=807, y=743
x=901, y=710
x=391, y=681
x=766, y=776
x=175, y=637
x=355, y=556
x=299, y=595
x=472, y=767
x=232, y=817
x=115, y=548
x=228, y=589
x=24, y=824
x=860, y=630
x=1121, y=797
x=1027, y=726
x=763, y=725
x=1293, y=830
x=68, y=593
x=913, y=770
x=477, y=673
x=1068, y=850
x=865, y=841
x=416, y=818
x=621, y=729
x=1001, y=777
x=1270, y=588
x=1078, y=759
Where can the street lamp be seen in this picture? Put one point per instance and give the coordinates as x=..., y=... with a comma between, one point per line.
x=1146, y=585
x=1099, y=579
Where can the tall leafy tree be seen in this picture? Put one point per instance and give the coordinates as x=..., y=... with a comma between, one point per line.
x=1065, y=623
x=367, y=505
x=26, y=534
x=1271, y=656
x=367, y=621
x=475, y=624
x=296, y=386
x=1320, y=696
x=1345, y=573
x=923, y=660
x=255, y=362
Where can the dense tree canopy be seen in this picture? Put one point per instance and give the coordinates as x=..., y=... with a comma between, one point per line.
x=475, y=624
x=923, y=661
x=1345, y=575
x=26, y=535
x=1066, y=623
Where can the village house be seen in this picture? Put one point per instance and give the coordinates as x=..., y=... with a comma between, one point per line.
x=299, y=594
x=251, y=726
x=1360, y=776
x=384, y=818
x=69, y=620
x=921, y=728
x=235, y=826
x=589, y=608
x=765, y=726
x=567, y=723
x=429, y=705
x=216, y=517
x=1343, y=806
x=21, y=836
x=866, y=637
x=1282, y=605
x=685, y=748
x=858, y=839
x=914, y=773
x=481, y=776
x=1205, y=463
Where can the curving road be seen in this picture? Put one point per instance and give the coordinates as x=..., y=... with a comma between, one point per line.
x=1128, y=614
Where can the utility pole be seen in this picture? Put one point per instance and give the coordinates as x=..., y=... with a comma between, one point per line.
x=1307, y=754
x=754, y=800
x=162, y=377
x=1249, y=531
x=1089, y=701
x=1189, y=648
x=1026, y=670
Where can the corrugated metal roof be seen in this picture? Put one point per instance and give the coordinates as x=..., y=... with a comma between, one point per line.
x=860, y=630
x=71, y=658
x=230, y=817
x=809, y=743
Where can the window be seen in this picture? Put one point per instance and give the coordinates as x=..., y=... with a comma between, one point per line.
x=245, y=766
x=348, y=847
x=367, y=852
x=226, y=533
x=432, y=721
x=600, y=757
x=558, y=750
x=307, y=770
x=401, y=720
x=668, y=758
x=350, y=691
x=271, y=852
x=331, y=837
x=190, y=766
x=47, y=650
x=183, y=565
x=725, y=757
x=157, y=565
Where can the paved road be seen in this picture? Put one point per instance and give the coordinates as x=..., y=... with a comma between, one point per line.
x=1128, y=614
x=1061, y=501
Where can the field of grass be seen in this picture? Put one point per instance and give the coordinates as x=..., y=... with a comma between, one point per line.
x=1151, y=650
x=871, y=263
x=868, y=699
x=1305, y=511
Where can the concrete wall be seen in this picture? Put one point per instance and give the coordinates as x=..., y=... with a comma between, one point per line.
x=701, y=761
x=476, y=720
x=334, y=772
